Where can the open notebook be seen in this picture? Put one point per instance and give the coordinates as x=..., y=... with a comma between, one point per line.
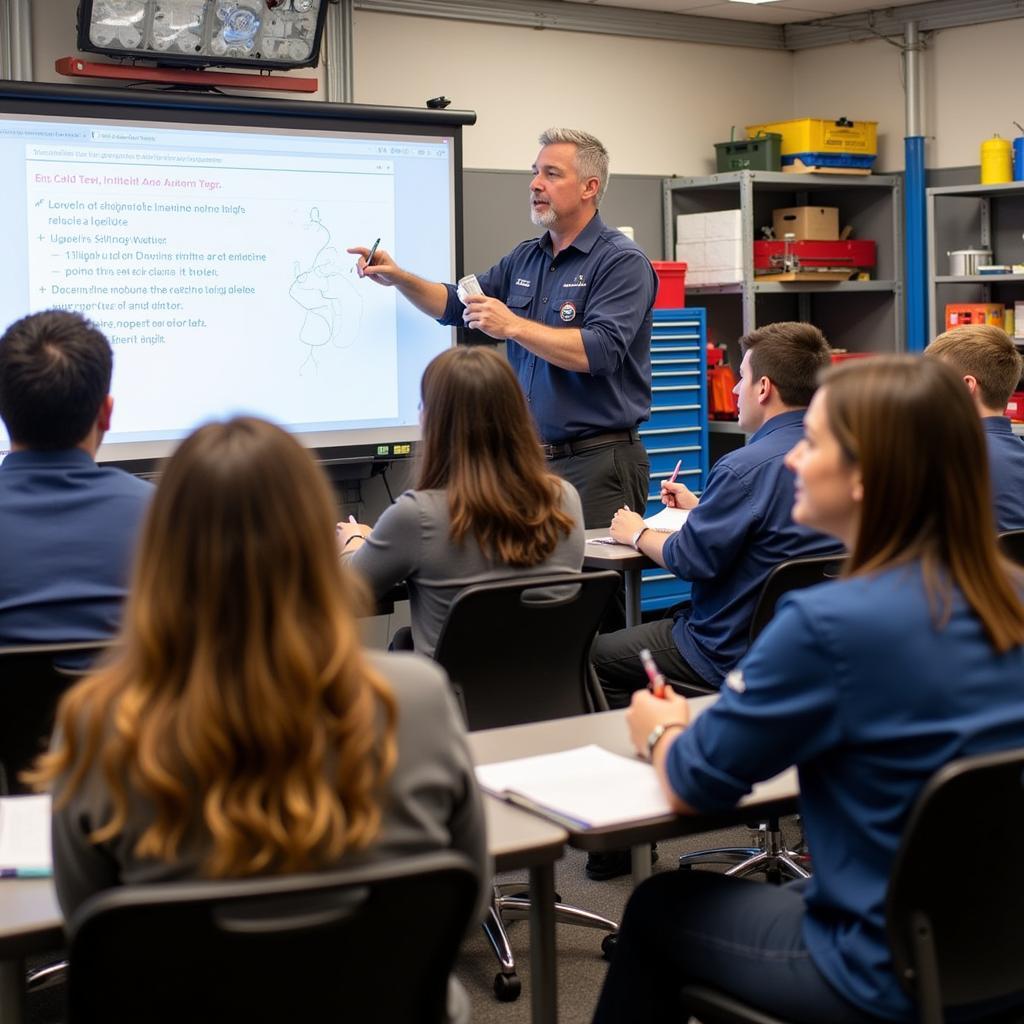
x=25, y=836
x=668, y=520
x=586, y=787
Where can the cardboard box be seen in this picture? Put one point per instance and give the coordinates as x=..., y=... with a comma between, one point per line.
x=807, y=223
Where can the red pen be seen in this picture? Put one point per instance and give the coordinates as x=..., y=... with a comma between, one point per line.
x=655, y=680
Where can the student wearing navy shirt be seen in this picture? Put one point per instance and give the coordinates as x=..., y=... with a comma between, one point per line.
x=67, y=525
x=735, y=535
x=990, y=365
x=869, y=684
x=574, y=306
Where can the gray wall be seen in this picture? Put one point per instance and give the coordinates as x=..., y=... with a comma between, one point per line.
x=497, y=215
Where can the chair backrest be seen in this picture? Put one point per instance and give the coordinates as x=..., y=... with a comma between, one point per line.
x=518, y=650
x=1012, y=544
x=32, y=681
x=956, y=925
x=361, y=944
x=794, y=574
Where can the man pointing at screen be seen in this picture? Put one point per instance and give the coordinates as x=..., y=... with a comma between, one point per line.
x=574, y=305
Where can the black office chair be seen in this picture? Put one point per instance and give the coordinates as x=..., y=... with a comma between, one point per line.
x=771, y=854
x=955, y=943
x=32, y=681
x=1012, y=544
x=337, y=945
x=516, y=651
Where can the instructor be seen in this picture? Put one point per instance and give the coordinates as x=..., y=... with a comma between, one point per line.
x=574, y=305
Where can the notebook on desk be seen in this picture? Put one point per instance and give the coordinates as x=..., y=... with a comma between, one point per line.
x=586, y=787
x=668, y=520
x=25, y=836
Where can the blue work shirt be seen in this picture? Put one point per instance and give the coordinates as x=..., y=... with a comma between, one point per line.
x=67, y=533
x=741, y=529
x=601, y=284
x=854, y=683
x=1006, y=468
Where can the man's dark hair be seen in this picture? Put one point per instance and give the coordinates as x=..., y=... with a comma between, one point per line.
x=791, y=355
x=55, y=370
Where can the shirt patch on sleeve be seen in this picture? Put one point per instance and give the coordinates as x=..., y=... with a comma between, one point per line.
x=734, y=680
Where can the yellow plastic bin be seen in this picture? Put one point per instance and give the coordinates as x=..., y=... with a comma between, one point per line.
x=817, y=135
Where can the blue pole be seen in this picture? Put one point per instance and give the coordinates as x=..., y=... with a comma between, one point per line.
x=916, y=244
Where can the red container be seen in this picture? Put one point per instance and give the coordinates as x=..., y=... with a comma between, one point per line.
x=671, y=285
x=850, y=255
x=1015, y=407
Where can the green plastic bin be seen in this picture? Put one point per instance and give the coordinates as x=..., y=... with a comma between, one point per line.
x=761, y=153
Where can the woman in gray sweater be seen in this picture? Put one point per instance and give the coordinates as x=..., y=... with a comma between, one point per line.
x=240, y=728
x=484, y=507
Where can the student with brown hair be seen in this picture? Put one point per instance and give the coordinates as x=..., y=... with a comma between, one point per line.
x=990, y=365
x=738, y=532
x=869, y=684
x=484, y=508
x=240, y=729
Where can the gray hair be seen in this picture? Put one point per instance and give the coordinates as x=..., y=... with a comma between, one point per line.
x=591, y=156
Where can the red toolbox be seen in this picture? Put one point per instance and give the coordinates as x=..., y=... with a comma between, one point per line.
x=853, y=255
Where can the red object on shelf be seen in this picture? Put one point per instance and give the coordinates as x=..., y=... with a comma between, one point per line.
x=75, y=67
x=715, y=355
x=721, y=400
x=841, y=357
x=850, y=255
x=671, y=285
x=1015, y=407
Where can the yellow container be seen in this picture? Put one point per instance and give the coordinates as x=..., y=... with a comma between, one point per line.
x=815, y=135
x=996, y=161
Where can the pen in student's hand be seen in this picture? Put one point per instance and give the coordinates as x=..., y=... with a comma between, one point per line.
x=373, y=250
x=655, y=680
x=675, y=472
x=352, y=519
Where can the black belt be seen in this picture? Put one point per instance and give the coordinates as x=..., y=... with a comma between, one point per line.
x=585, y=444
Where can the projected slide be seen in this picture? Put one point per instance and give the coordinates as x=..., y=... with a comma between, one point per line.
x=214, y=260
x=198, y=276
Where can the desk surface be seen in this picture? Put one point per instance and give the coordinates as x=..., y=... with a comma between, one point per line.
x=612, y=556
x=31, y=921
x=608, y=729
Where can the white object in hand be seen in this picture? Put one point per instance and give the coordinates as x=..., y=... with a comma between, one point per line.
x=467, y=286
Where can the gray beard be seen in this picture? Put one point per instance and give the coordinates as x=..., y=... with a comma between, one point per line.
x=543, y=220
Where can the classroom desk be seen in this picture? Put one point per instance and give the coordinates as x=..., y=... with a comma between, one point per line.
x=624, y=559
x=31, y=921
x=607, y=729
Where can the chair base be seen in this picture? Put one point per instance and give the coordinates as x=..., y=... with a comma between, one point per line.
x=772, y=857
x=517, y=908
x=711, y=1006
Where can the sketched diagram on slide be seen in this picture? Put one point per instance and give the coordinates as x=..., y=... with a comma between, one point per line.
x=333, y=308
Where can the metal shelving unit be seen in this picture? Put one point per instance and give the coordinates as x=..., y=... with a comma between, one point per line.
x=857, y=315
x=959, y=216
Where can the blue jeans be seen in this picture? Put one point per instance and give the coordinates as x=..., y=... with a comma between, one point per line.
x=733, y=934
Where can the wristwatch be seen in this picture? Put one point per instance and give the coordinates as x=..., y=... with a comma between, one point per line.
x=657, y=732
x=636, y=537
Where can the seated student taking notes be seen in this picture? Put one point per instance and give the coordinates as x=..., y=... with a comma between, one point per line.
x=869, y=684
x=484, y=508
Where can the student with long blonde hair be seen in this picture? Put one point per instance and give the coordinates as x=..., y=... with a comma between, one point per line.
x=240, y=729
x=484, y=508
x=869, y=684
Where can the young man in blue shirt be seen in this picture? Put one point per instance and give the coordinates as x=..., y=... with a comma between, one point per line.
x=991, y=367
x=735, y=535
x=67, y=525
x=574, y=305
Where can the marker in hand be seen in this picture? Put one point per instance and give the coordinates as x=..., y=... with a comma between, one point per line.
x=370, y=259
x=655, y=680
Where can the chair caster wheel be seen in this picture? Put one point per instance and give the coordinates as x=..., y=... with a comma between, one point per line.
x=609, y=944
x=507, y=987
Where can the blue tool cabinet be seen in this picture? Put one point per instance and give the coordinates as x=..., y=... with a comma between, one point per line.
x=678, y=427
